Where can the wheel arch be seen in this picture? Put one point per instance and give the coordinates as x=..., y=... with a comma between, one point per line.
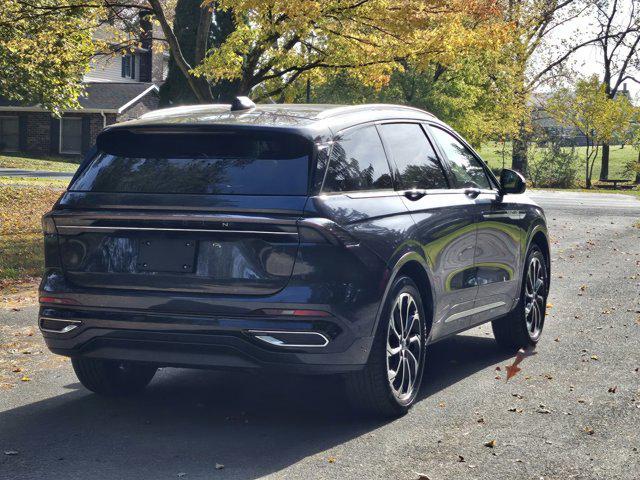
x=413, y=266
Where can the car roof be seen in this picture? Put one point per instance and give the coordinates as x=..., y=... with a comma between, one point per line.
x=278, y=115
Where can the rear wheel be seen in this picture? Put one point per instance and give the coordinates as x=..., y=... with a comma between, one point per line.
x=523, y=326
x=112, y=377
x=390, y=382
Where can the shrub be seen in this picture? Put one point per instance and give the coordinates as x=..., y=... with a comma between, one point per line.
x=554, y=167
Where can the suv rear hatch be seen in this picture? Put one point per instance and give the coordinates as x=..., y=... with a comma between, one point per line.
x=186, y=210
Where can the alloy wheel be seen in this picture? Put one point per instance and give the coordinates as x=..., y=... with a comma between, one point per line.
x=534, y=305
x=404, y=347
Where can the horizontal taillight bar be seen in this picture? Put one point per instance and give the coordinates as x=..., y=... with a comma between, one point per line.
x=58, y=300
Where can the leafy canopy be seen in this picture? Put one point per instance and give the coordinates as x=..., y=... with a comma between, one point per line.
x=275, y=42
x=45, y=48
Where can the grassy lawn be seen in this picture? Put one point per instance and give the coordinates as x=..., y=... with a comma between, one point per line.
x=52, y=164
x=492, y=153
x=21, y=207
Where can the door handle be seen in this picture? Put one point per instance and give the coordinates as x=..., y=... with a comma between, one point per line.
x=472, y=192
x=415, y=194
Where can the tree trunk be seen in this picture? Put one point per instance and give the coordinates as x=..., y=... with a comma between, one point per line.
x=177, y=89
x=519, y=150
x=604, y=169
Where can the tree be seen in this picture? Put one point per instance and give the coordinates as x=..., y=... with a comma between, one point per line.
x=619, y=38
x=474, y=93
x=537, y=59
x=272, y=44
x=592, y=113
x=45, y=48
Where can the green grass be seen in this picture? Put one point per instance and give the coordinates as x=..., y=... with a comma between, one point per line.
x=34, y=182
x=52, y=164
x=492, y=153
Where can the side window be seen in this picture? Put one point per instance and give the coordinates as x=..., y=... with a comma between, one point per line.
x=358, y=162
x=410, y=149
x=465, y=167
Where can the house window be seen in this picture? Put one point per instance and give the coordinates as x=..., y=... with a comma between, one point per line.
x=9, y=134
x=128, y=66
x=71, y=135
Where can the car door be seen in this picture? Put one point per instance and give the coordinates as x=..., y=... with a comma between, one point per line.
x=444, y=223
x=499, y=236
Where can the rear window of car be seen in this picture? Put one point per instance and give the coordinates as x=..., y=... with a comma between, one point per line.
x=229, y=163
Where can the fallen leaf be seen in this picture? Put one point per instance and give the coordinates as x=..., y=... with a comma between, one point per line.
x=613, y=389
x=589, y=430
x=10, y=452
x=441, y=404
x=549, y=305
x=460, y=458
x=25, y=379
x=513, y=369
x=594, y=357
x=219, y=466
x=331, y=460
x=422, y=476
x=490, y=443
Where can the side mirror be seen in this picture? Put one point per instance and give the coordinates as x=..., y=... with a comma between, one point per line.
x=512, y=182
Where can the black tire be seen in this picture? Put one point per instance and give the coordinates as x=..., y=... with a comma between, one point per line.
x=112, y=377
x=370, y=390
x=513, y=331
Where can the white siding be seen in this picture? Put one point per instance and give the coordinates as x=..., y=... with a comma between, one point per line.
x=109, y=69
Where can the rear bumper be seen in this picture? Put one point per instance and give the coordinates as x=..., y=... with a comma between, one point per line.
x=202, y=341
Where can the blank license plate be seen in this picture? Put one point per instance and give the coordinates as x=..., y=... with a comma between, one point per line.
x=166, y=256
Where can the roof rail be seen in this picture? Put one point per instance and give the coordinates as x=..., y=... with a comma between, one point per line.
x=332, y=112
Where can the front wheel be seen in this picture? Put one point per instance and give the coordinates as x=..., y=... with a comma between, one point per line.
x=523, y=326
x=390, y=382
x=112, y=377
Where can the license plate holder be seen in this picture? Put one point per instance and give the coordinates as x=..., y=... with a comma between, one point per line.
x=166, y=255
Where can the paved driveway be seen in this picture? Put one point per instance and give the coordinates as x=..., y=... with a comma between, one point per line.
x=572, y=412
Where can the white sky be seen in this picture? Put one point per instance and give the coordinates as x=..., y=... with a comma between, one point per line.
x=588, y=60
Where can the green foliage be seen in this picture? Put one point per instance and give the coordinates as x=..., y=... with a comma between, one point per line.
x=590, y=111
x=45, y=48
x=475, y=94
x=275, y=44
x=556, y=167
x=175, y=90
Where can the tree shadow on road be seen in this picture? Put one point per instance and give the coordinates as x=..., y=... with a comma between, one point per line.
x=189, y=420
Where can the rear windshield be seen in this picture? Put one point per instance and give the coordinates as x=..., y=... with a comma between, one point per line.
x=229, y=163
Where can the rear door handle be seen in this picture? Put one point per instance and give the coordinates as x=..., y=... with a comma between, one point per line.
x=415, y=194
x=472, y=192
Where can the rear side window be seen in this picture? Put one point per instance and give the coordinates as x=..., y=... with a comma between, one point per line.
x=465, y=167
x=358, y=162
x=417, y=163
x=231, y=164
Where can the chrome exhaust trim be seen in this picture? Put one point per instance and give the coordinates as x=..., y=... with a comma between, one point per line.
x=278, y=338
x=68, y=325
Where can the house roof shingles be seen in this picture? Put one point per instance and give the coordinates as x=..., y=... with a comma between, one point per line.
x=101, y=95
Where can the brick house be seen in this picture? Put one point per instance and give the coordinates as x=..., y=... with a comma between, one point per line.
x=118, y=88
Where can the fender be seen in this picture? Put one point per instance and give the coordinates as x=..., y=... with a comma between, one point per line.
x=411, y=256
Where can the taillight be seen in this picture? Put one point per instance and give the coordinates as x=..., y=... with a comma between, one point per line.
x=58, y=300
x=48, y=225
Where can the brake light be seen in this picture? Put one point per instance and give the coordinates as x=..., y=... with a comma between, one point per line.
x=58, y=301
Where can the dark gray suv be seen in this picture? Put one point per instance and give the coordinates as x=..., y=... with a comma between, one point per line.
x=308, y=238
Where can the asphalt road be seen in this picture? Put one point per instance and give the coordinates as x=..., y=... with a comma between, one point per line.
x=573, y=412
x=17, y=172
